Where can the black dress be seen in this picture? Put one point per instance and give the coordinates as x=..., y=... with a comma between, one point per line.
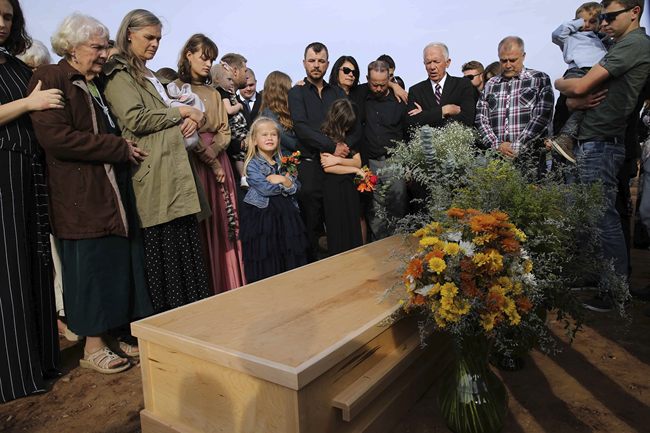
x=273, y=239
x=342, y=213
x=29, y=345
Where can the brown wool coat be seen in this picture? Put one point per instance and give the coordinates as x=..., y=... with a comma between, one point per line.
x=84, y=200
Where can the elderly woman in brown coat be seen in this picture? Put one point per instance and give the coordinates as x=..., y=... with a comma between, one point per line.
x=90, y=200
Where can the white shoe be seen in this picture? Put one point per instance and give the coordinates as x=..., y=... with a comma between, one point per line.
x=243, y=182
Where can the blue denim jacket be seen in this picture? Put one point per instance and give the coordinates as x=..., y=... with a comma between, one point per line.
x=261, y=189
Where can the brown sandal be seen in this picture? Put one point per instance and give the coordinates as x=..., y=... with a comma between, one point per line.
x=101, y=359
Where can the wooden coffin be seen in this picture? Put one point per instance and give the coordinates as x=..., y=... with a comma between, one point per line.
x=307, y=351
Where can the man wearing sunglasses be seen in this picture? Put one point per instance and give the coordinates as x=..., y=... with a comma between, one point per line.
x=600, y=152
x=473, y=71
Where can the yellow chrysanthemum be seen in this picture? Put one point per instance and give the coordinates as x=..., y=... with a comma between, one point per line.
x=429, y=241
x=448, y=290
x=521, y=236
x=424, y=231
x=488, y=321
x=483, y=239
x=451, y=248
x=528, y=266
x=437, y=265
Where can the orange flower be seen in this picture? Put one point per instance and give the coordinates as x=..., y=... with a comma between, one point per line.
x=481, y=223
x=414, y=268
x=495, y=299
x=524, y=304
x=510, y=245
x=419, y=300
x=500, y=216
x=455, y=212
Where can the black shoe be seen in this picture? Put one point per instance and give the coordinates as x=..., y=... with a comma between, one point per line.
x=642, y=293
x=599, y=304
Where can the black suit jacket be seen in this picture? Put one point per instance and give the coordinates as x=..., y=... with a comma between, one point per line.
x=252, y=114
x=458, y=91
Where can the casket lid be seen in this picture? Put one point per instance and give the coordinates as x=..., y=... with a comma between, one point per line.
x=291, y=328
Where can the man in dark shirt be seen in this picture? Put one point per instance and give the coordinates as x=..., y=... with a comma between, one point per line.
x=601, y=150
x=308, y=105
x=384, y=122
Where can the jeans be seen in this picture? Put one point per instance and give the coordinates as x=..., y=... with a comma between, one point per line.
x=601, y=161
x=395, y=199
x=644, y=205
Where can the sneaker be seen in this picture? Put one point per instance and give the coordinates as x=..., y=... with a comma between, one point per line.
x=599, y=304
x=563, y=144
x=243, y=182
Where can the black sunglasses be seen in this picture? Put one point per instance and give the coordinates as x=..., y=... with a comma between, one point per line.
x=347, y=70
x=472, y=76
x=611, y=16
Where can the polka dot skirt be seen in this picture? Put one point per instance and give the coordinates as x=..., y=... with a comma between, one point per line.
x=174, y=265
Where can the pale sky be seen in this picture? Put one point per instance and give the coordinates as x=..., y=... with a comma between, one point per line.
x=272, y=34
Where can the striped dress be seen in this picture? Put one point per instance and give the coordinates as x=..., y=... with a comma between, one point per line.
x=29, y=349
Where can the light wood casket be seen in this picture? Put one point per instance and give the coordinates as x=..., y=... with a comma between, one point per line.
x=307, y=351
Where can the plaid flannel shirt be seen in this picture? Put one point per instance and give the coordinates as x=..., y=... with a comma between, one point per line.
x=516, y=110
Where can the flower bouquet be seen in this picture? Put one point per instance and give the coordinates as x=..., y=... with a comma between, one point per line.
x=289, y=164
x=367, y=181
x=471, y=277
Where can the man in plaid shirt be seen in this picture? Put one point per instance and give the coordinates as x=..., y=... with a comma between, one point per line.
x=516, y=106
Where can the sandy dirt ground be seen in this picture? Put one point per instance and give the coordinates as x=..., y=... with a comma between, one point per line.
x=600, y=383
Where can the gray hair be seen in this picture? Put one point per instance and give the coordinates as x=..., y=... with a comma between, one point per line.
x=37, y=55
x=443, y=47
x=510, y=42
x=378, y=66
x=74, y=30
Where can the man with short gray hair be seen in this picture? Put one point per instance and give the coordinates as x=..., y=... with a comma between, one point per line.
x=441, y=98
x=516, y=106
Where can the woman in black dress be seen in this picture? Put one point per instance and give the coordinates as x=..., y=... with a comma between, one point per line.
x=29, y=349
x=340, y=196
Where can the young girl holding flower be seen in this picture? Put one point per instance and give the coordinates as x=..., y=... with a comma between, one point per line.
x=272, y=232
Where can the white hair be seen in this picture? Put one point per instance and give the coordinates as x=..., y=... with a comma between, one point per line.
x=443, y=47
x=36, y=55
x=74, y=30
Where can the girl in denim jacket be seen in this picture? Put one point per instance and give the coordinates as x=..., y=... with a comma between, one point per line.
x=272, y=232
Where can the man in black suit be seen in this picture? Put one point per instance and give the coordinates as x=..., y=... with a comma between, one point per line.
x=250, y=98
x=441, y=98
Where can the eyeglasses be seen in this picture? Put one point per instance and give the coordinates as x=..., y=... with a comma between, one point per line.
x=347, y=70
x=472, y=76
x=611, y=16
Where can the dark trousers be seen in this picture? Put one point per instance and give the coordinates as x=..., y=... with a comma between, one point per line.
x=310, y=198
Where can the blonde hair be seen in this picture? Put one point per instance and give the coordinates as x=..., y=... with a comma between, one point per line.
x=75, y=30
x=251, y=145
x=592, y=8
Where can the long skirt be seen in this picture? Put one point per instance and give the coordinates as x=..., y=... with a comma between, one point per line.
x=220, y=232
x=103, y=278
x=342, y=211
x=174, y=265
x=29, y=345
x=274, y=239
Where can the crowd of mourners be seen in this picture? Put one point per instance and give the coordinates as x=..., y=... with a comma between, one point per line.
x=127, y=192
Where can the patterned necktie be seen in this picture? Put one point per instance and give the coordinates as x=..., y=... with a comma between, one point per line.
x=438, y=94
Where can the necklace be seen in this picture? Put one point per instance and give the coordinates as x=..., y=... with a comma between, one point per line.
x=94, y=92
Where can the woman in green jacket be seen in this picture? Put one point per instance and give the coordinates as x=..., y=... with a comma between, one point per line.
x=166, y=193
